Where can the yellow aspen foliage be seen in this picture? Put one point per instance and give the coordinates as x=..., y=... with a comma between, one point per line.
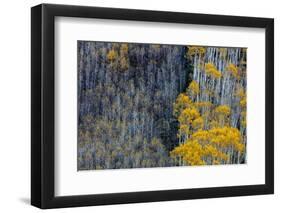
x=243, y=97
x=188, y=115
x=193, y=88
x=111, y=55
x=240, y=92
x=233, y=70
x=214, y=124
x=243, y=102
x=201, y=50
x=196, y=50
x=209, y=146
x=226, y=137
x=191, y=153
x=222, y=113
x=212, y=71
x=182, y=102
x=223, y=110
x=214, y=153
x=202, y=136
x=197, y=123
x=207, y=134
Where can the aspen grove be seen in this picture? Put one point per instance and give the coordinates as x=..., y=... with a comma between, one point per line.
x=158, y=105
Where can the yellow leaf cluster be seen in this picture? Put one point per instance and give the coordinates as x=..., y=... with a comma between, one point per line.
x=197, y=123
x=208, y=146
x=194, y=50
x=193, y=88
x=111, y=55
x=201, y=135
x=211, y=70
x=190, y=152
x=214, y=153
x=214, y=124
x=240, y=92
x=243, y=102
x=223, y=110
x=188, y=115
x=182, y=102
x=233, y=70
x=226, y=137
x=118, y=57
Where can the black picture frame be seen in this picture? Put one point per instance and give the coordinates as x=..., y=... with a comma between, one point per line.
x=43, y=105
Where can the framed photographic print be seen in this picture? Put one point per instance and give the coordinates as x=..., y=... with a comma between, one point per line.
x=139, y=106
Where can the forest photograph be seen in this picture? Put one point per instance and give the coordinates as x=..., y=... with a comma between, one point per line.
x=144, y=105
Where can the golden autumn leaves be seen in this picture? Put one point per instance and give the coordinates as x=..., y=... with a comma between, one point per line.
x=211, y=70
x=210, y=146
x=206, y=135
x=118, y=56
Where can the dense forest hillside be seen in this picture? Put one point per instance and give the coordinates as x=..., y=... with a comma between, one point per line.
x=139, y=105
x=126, y=95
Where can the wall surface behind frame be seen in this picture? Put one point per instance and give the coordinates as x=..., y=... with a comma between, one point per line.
x=15, y=105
